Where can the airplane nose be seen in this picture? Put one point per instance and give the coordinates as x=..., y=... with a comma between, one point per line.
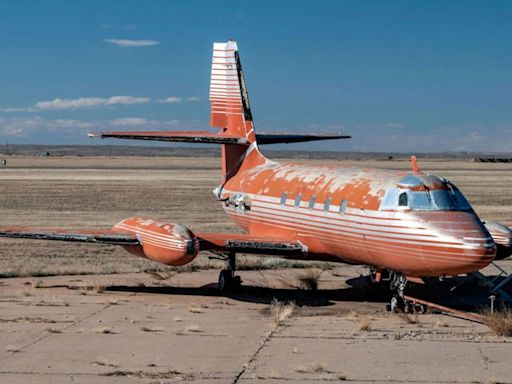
x=468, y=245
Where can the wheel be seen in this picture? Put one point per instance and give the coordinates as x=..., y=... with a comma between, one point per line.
x=397, y=304
x=225, y=280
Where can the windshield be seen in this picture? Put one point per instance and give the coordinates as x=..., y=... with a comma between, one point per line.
x=436, y=200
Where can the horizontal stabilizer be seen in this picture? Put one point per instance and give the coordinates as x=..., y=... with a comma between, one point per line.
x=271, y=138
x=84, y=236
x=176, y=136
x=213, y=138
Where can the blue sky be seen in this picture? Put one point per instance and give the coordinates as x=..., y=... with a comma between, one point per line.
x=396, y=75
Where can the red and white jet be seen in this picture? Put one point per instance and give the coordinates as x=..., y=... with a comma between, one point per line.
x=412, y=224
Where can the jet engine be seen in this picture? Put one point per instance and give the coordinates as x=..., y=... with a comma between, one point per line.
x=167, y=243
x=502, y=236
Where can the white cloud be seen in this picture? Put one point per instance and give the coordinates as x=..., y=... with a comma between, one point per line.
x=192, y=98
x=87, y=102
x=131, y=43
x=170, y=100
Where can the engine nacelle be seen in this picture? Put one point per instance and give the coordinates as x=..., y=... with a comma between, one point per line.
x=502, y=236
x=167, y=243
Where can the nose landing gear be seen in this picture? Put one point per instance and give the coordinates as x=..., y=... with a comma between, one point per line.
x=398, y=302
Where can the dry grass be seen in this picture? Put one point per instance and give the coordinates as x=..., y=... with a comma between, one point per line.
x=152, y=329
x=309, y=278
x=105, y=363
x=195, y=309
x=145, y=183
x=194, y=329
x=105, y=330
x=280, y=311
x=315, y=367
x=150, y=375
x=12, y=349
x=500, y=322
x=364, y=324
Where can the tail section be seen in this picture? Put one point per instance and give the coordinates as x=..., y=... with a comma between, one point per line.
x=230, y=108
x=231, y=113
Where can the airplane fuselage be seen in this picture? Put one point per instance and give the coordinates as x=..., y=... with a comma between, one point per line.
x=354, y=215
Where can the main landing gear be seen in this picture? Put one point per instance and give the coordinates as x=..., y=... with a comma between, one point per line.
x=228, y=281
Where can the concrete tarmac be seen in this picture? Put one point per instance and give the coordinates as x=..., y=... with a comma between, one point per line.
x=143, y=328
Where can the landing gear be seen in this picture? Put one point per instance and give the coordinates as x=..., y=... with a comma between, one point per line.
x=398, y=303
x=228, y=281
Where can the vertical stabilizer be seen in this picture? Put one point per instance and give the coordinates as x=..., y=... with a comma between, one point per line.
x=229, y=99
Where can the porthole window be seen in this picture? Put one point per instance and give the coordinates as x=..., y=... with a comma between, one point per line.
x=312, y=202
x=327, y=204
x=284, y=197
x=343, y=206
x=298, y=198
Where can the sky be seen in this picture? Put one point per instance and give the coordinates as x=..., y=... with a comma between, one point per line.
x=400, y=76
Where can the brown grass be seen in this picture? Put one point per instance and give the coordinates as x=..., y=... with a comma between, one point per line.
x=148, y=186
x=105, y=363
x=500, y=322
x=314, y=367
x=152, y=329
x=364, y=324
x=280, y=311
x=309, y=278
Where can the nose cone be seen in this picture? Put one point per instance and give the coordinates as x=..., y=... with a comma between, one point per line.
x=466, y=245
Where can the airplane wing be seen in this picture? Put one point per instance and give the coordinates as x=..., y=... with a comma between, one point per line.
x=213, y=138
x=84, y=236
x=239, y=243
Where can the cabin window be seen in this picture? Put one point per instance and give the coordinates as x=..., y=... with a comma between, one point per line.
x=403, y=201
x=312, y=202
x=284, y=197
x=327, y=204
x=343, y=206
x=298, y=198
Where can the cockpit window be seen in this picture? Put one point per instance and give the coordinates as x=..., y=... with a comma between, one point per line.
x=421, y=200
x=434, y=200
x=443, y=199
x=403, y=200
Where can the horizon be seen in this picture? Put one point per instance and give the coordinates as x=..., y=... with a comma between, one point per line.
x=401, y=77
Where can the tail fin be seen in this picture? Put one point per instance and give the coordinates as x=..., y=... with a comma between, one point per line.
x=230, y=108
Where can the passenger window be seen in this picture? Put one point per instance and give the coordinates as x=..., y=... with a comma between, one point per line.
x=343, y=206
x=298, y=198
x=327, y=204
x=284, y=197
x=312, y=202
x=402, y=200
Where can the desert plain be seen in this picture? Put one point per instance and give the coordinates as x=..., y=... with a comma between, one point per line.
x=95, y=314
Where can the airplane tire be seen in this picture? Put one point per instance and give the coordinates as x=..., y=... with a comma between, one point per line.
x=225, y=280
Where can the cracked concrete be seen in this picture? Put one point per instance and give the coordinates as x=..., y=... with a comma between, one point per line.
x=142, y=330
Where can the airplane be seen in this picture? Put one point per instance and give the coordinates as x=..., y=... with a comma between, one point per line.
x=404, y=225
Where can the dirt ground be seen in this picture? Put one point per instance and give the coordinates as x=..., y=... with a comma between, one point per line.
x=127, y=320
